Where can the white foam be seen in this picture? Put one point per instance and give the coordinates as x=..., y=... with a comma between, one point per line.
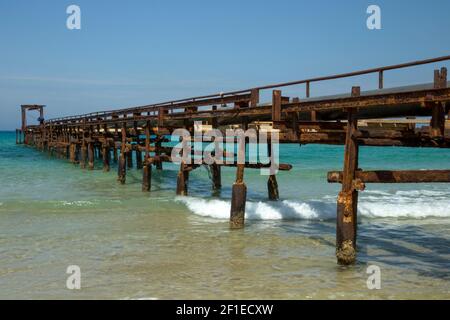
x=404, y=210
x=420, y=193
x=207, y=208
x=142, y=298
x=79, y=203
x=288, y=210
x=414, y=204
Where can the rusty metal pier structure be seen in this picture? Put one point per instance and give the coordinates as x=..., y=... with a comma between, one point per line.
x=353, y=119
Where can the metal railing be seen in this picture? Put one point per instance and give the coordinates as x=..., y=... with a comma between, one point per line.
x=209, y=99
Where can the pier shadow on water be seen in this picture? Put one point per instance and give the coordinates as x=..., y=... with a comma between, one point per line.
x=388, y=244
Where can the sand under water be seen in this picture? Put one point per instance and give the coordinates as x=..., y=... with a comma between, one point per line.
x=134, y=245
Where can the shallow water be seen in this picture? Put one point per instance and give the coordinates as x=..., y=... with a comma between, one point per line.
x=131, y=245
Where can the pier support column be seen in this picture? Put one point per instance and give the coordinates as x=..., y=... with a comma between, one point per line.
x=272, y=188
x=239, y=189
x=138, y=152
x=238, y=199
x=106, y=156
x=24, y=124
x=122, y=169
x=182, y=180
x=91, y=156
x=215, y=169
x=272, y=184
x=77, y=153
x=147, y=169
x=72, y=149
x=116, y=134
x=83, y=155
x=129, y=156
x=347, y=204
x=158, y=142
x=122, y=160
x=437, y=123
x=115, y=153
x=138, y=158
x=216, y=176
x=147, y=177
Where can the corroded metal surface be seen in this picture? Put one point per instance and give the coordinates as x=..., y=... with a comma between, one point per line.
x=334, y=119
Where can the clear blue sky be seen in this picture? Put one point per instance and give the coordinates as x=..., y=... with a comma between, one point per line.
x=139, y=52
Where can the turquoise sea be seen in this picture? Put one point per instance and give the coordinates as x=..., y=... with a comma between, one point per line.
x=134, y=245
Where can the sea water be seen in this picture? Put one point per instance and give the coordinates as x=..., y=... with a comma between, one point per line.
x=134, y=245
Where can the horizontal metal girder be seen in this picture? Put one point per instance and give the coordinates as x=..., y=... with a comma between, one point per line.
x=404, y=176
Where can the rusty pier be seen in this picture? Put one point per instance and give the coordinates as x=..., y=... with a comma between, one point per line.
x=136, y=137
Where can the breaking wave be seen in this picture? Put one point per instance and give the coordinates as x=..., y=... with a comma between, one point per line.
x=414, y=204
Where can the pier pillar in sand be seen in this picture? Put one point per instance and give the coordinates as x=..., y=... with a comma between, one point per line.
x=238, y=199
x=116, y=134
x=129, y=155
x=138, y=157
x=122, y=160
x=99, y=152
x=24, y=124
x=215, y=169
x=147, y=177
x=272, y=188
x=67, y=151
x=138, y=147
x=122, y=169
x=239, y=191
x=158, y=142
x=72, y=151
x=83, y=154
x=106, y=156
x=183, y=174
x=216, y=176
x=347, y=203
x=182, y=180
x=115, y=159
x=105, y=150
x=147, y=168
x=90, y=155
x=272, y=184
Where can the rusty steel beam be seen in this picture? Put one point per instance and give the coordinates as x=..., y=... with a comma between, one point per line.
x=353, y=74
x=231, y=96
x=181, y=104
x=347, y=202
x=388, y=176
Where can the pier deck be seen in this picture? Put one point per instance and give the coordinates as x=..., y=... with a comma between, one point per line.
x=410, y=116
